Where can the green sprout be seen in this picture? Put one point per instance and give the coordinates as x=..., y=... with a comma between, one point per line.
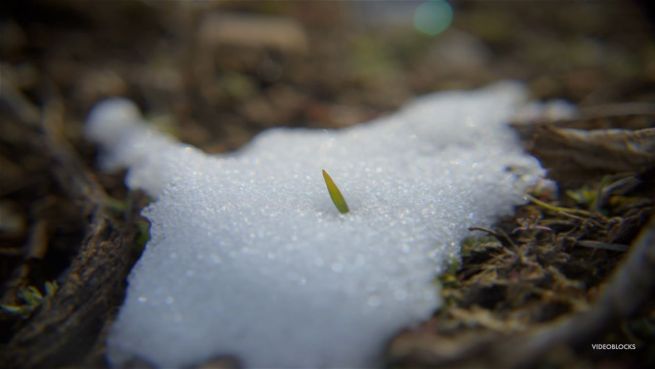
x=335, y=194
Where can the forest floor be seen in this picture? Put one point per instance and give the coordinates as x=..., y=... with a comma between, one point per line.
x=568, y=270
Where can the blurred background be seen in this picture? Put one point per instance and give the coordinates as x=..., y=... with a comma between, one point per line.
x=215, y=73
x=221, y=70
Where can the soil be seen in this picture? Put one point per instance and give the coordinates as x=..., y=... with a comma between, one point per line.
x=573, y=267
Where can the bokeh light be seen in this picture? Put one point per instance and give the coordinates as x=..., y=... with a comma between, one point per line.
x=433, y=17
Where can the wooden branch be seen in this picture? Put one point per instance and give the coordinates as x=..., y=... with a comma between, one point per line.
x=65, y=328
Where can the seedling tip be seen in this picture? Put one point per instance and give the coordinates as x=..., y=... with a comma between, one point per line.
x=335, y=194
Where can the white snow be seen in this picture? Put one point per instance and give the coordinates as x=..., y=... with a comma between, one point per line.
x=248, y=256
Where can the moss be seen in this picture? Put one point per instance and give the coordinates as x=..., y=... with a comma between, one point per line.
x=29, y=299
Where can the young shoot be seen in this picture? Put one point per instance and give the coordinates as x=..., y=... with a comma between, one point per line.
x=335, y=194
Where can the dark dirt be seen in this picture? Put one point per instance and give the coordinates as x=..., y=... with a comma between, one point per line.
x=567, y=270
